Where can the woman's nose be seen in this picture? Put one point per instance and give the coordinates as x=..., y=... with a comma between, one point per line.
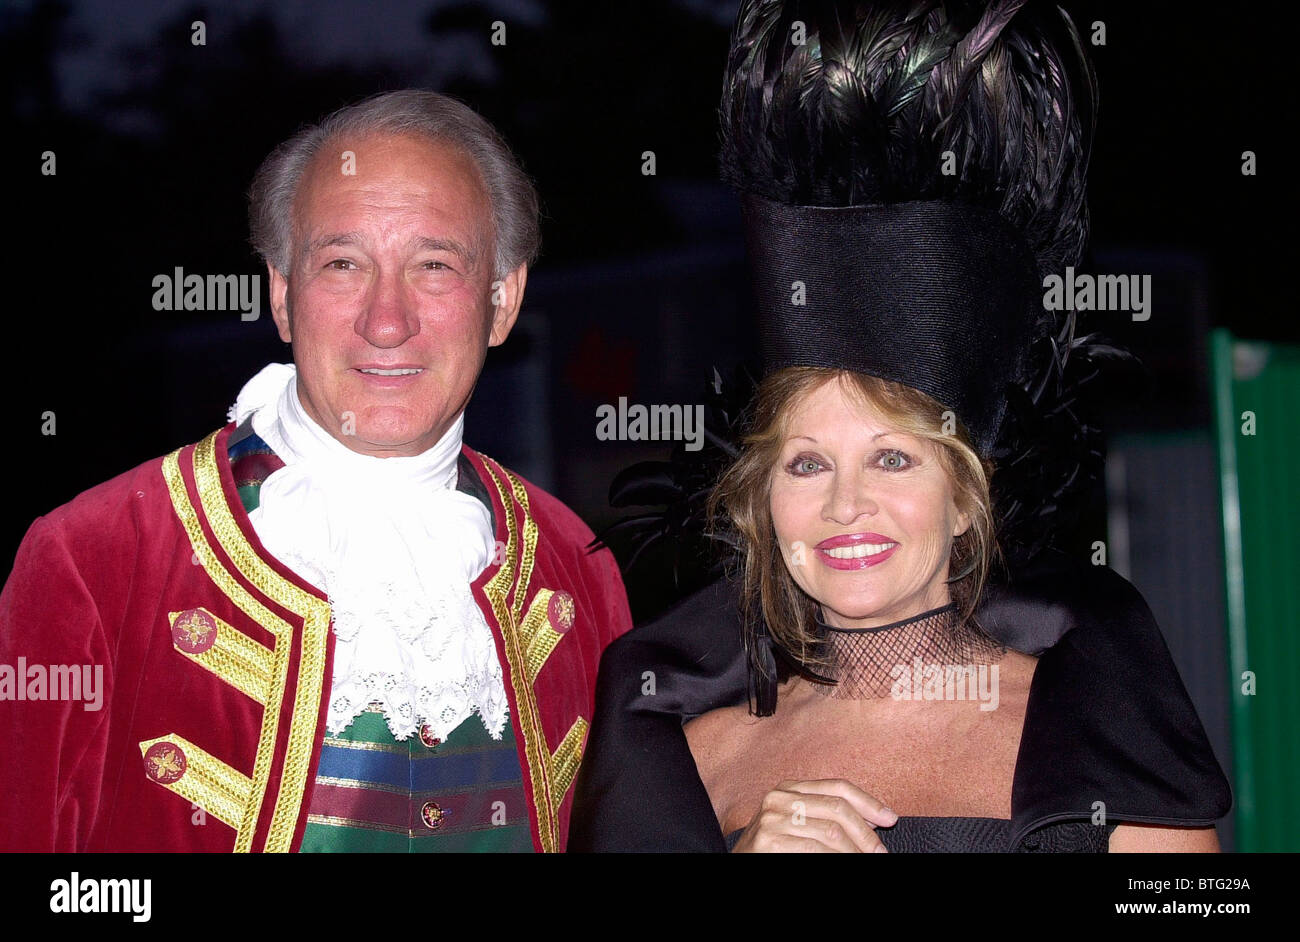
x=850, y=497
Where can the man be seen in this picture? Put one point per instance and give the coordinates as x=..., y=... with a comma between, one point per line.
x=328, y=625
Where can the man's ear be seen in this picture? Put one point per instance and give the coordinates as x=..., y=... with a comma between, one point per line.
x=279, y=287
x=507, y=295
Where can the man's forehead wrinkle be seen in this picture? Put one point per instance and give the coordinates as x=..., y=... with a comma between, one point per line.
x=326, y=240
x=436, y=199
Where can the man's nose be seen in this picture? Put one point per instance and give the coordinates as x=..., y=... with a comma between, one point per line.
x=850, y=497
x=390, y=317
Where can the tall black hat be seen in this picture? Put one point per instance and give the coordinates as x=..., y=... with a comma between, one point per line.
x=909, y=173
x=938, y=296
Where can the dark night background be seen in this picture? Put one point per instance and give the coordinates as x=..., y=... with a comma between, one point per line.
x=639, y=290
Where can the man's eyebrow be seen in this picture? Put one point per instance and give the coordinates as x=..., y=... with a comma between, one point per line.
x=423, y=244
x=337, y=238
x=427, y=244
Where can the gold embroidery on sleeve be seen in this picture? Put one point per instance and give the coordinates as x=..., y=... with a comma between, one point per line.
x=214, y=786
x=566, y=759
x=243, y=662
x=538, y=637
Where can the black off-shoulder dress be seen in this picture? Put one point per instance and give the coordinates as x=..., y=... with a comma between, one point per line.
x=921, y=835
x=1110, y=733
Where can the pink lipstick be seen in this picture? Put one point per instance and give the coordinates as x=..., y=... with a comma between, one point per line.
x=854, y=551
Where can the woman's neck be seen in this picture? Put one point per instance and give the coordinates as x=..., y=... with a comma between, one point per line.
x=905, y=659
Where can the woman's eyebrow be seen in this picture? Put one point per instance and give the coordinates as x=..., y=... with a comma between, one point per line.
x=809, y=438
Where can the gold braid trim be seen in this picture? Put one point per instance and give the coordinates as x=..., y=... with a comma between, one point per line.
x=255, y=610
x=243, y=662
x=217, y=788
x=537, y=636
x=497, y=590
x=337, y=822
x=500, y=583
x=566, y=759
x=530, y=544
x=315, y=614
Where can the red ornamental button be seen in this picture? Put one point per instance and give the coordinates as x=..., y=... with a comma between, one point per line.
x=427, y=737
x=560, y=612
x=164, y=763
x=432, y=815
x=194, y=631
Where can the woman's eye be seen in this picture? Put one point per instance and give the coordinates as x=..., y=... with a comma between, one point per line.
x=894, y=461
x=805, y=466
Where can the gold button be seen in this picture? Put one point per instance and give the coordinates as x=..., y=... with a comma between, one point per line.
x=432, y=815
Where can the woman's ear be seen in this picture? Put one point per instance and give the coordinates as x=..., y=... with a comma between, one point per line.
x=962, y=523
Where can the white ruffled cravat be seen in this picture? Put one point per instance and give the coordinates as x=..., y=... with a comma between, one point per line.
x=394, y=546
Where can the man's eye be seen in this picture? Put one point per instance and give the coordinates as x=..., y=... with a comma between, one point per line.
x=339, y=264
x=437, y=266
x=894, y=460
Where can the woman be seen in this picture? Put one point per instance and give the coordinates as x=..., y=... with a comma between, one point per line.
x=873, y=508
x=909, y=175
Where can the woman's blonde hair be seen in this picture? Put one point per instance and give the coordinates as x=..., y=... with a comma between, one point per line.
x=743, y=497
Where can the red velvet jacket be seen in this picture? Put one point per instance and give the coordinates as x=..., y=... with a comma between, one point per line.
x=217, y=663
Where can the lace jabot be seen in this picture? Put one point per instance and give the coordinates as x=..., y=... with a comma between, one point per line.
x=395, y=547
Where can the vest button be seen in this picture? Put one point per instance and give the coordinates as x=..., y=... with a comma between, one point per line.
x=432, y=815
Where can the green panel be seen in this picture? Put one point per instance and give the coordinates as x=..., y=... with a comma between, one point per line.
x=1260, y=490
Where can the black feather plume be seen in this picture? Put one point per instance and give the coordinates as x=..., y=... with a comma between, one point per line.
x=679, y=489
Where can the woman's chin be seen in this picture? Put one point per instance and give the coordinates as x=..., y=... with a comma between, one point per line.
x=849, y=611
x=853, y=611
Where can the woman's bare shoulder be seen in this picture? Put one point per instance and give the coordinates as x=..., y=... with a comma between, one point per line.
x=718, y=723
x=720, y=731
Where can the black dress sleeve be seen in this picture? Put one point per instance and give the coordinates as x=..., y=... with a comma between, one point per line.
x=638, y=788
x=1109, y=726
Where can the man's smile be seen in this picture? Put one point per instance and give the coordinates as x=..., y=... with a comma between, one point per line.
x=389, y=377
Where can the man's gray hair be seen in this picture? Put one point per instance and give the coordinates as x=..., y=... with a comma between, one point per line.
x=410, y=111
